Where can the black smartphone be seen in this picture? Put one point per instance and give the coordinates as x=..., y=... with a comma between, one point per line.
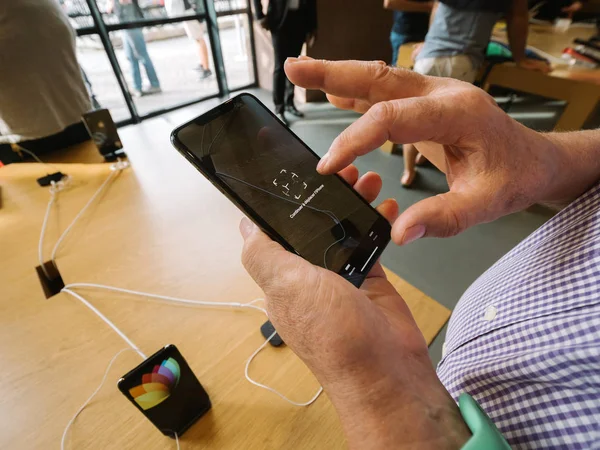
x=103, y=131
x=166, y=391
x=270, y=174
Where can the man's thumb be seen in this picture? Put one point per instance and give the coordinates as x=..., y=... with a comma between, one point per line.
x=441, y=216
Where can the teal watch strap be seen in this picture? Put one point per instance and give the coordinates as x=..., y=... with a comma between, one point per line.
x=485, y=434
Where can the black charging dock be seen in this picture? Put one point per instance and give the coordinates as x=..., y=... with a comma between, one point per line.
x=267, y=329
x=51, y=177
x=52, y=283
x=114, y=155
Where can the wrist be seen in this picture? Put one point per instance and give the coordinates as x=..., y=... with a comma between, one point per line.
x=407, y=408
x=574, y=165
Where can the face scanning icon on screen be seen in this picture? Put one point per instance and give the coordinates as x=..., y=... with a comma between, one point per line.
x=290, y=184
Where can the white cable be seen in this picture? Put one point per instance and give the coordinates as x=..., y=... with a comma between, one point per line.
x=30, y=153
x=56, y=187
x=106, y=320
x=268, y=388
x=169, y=298
x=79, y=214
x=64, y=436
x=34, y=156
x=43, y=232
x=191, y=302
x=176, y=439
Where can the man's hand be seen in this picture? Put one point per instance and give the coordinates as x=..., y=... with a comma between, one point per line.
x=264, y=23
x=534, y=64
x=494, y=165
x=362, y=344
x=572, y=8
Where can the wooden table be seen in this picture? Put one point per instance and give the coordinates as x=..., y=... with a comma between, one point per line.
x=579, y=87
x=160, y=228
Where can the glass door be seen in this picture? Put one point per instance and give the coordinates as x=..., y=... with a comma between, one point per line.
x=141, y=58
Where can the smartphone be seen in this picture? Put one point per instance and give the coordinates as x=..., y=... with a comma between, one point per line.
x=270, y=174
x=165, y=390
x=103, y=131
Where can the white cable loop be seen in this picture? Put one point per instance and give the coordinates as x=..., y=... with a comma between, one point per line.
x=268, y=388
x=91, y=397
x=43, y=231
x=191, y=302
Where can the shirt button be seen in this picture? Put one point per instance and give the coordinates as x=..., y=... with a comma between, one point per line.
x=444, y=349
x=490, y=313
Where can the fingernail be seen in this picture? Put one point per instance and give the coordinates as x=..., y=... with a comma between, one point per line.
x=246, y=227
x=412, y=234
x=305, y=58
x=323, y=163
x=291, y=60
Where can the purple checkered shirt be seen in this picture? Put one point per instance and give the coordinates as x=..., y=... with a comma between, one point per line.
x=524, y=340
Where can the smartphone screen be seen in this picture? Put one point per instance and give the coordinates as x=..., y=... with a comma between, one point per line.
x=271, y=175
x=166, y=391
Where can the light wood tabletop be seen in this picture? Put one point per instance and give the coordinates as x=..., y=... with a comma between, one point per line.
x=579, y=87
x=161, y=228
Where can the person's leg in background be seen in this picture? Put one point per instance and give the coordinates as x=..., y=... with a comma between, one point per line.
x=409, y=153
x=396, y=40
x=142, y=52
x=296, y=37
x=458, y=67
x=195, y=32
x=203, y=53
x=279, y=39
x=131, y=56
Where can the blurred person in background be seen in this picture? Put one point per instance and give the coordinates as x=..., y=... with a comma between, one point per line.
x=42, y=92
x=456, y=43
x=411, y=20
x=194, y=29
x=291, y=23
x=135, y=46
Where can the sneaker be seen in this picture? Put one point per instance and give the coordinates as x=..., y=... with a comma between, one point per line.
x=153, y=90
x=293, y=111
x=137, y=93
x=281, y=116
x=204, y=74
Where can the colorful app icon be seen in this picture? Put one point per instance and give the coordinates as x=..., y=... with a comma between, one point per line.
x=157, y=386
